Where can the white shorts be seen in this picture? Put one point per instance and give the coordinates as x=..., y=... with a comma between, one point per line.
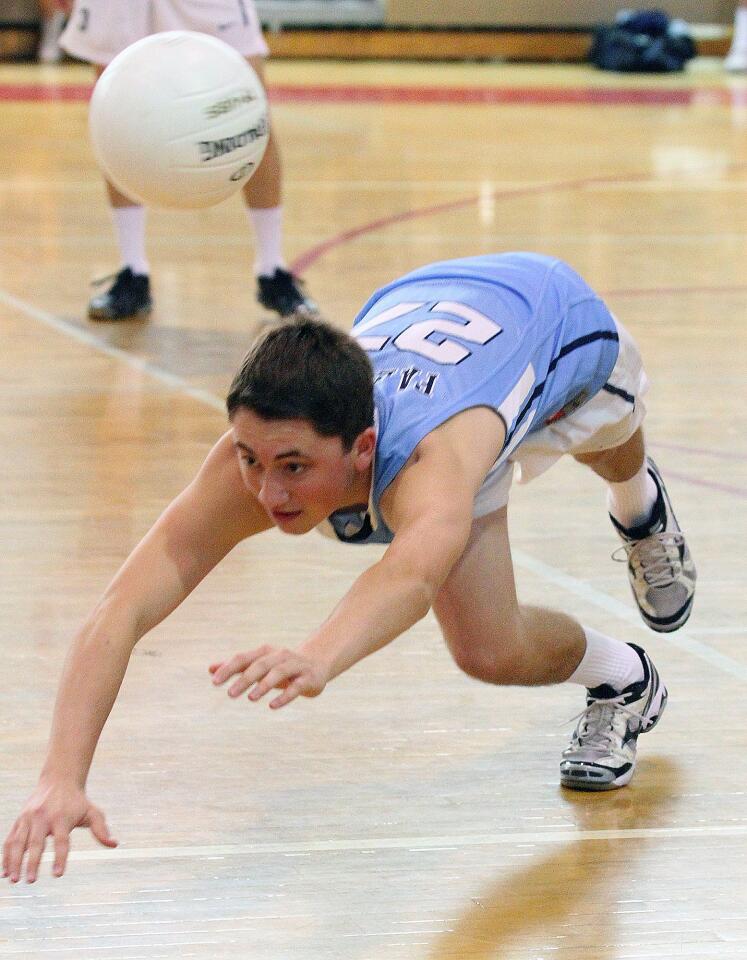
x=97, y=30
x=610, y=418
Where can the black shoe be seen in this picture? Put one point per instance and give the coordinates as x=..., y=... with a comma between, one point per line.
x=128, y=296
x=283, y=293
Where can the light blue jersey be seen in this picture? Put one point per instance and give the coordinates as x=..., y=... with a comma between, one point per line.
x=518, y=332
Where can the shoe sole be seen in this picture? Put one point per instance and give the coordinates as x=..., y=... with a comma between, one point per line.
x=102, y=315
x=594, y=784
x=302, y=313
x=590, y=782
x=668, y=624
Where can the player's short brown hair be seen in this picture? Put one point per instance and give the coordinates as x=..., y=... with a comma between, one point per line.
x=307, y=370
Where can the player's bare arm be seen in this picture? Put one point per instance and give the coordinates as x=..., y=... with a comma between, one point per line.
x=429, y=507
x=194, y=533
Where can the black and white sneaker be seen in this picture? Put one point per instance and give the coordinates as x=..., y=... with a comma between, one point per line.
x=660, y=569
x=601, y=754
x=283, y=293
x=126, y=298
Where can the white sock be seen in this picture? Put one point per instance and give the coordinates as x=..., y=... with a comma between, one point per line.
x=632, y=501
x=268, y=229
x=607, y=661
x=129, y=224
x=739, y=34
x=51, y=27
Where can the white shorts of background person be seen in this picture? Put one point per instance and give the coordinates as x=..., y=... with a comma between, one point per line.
x=98, y=30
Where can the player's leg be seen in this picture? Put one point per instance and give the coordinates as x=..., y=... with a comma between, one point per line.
x=236, y=23
x=492, y=637
x=277, y=288
x=129, y=294
x=495, y=639
x=51, y=26
x=605, y=434
x=660, y=568
x=736, y=59
x=97, y=30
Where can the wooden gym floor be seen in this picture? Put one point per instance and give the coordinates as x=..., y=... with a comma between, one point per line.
x=409, y=813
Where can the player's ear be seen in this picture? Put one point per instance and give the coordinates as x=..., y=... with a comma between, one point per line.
x=364, y=446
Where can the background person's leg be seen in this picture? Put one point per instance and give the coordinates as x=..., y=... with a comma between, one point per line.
x=278, y=289
x=52, y=23
x=129, y=295
x=736, y=59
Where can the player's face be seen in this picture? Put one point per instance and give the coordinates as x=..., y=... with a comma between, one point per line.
x=298, y=475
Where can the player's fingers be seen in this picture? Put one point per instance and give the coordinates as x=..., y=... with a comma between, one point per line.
x=292, y=691
x=16, y=847
x=97, y=824
x=278, y=674
x=6, y=853
x=61, y=850
x=234, y=664
x=35, y=845
x=237, y=664
x=255, y=672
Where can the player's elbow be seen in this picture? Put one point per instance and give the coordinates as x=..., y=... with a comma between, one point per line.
x=425, y=574
x=423, y=591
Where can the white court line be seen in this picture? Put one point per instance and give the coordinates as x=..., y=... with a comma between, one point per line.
x=402, y=843
x=88, y=339
x=577, y=587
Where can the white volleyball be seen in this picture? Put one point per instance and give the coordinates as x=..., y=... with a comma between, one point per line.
x=179, y=119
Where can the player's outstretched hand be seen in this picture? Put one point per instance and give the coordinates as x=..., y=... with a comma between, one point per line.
x=52, y=810
x=269, y=667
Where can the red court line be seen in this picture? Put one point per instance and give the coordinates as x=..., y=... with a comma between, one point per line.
x=304, y=260
x=31, y=92
x=595, y=96
x=310, y=256
x=701, y=451
x=538, y=96
x=739, y=492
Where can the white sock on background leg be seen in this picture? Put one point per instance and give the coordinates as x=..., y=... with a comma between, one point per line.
x=267, y=223
x=51, y=29
x=607, y=661
x=736, y=59
x=739, y=35
x=129, y=224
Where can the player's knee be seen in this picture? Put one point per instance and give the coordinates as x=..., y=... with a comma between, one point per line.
x=476, y=664
x=492, y=659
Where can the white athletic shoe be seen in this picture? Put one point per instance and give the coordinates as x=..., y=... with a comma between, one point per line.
x=660, y=569
x=601, y=754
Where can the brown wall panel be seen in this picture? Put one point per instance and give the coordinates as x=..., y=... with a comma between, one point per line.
x=19, y=11
x=549, y=13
